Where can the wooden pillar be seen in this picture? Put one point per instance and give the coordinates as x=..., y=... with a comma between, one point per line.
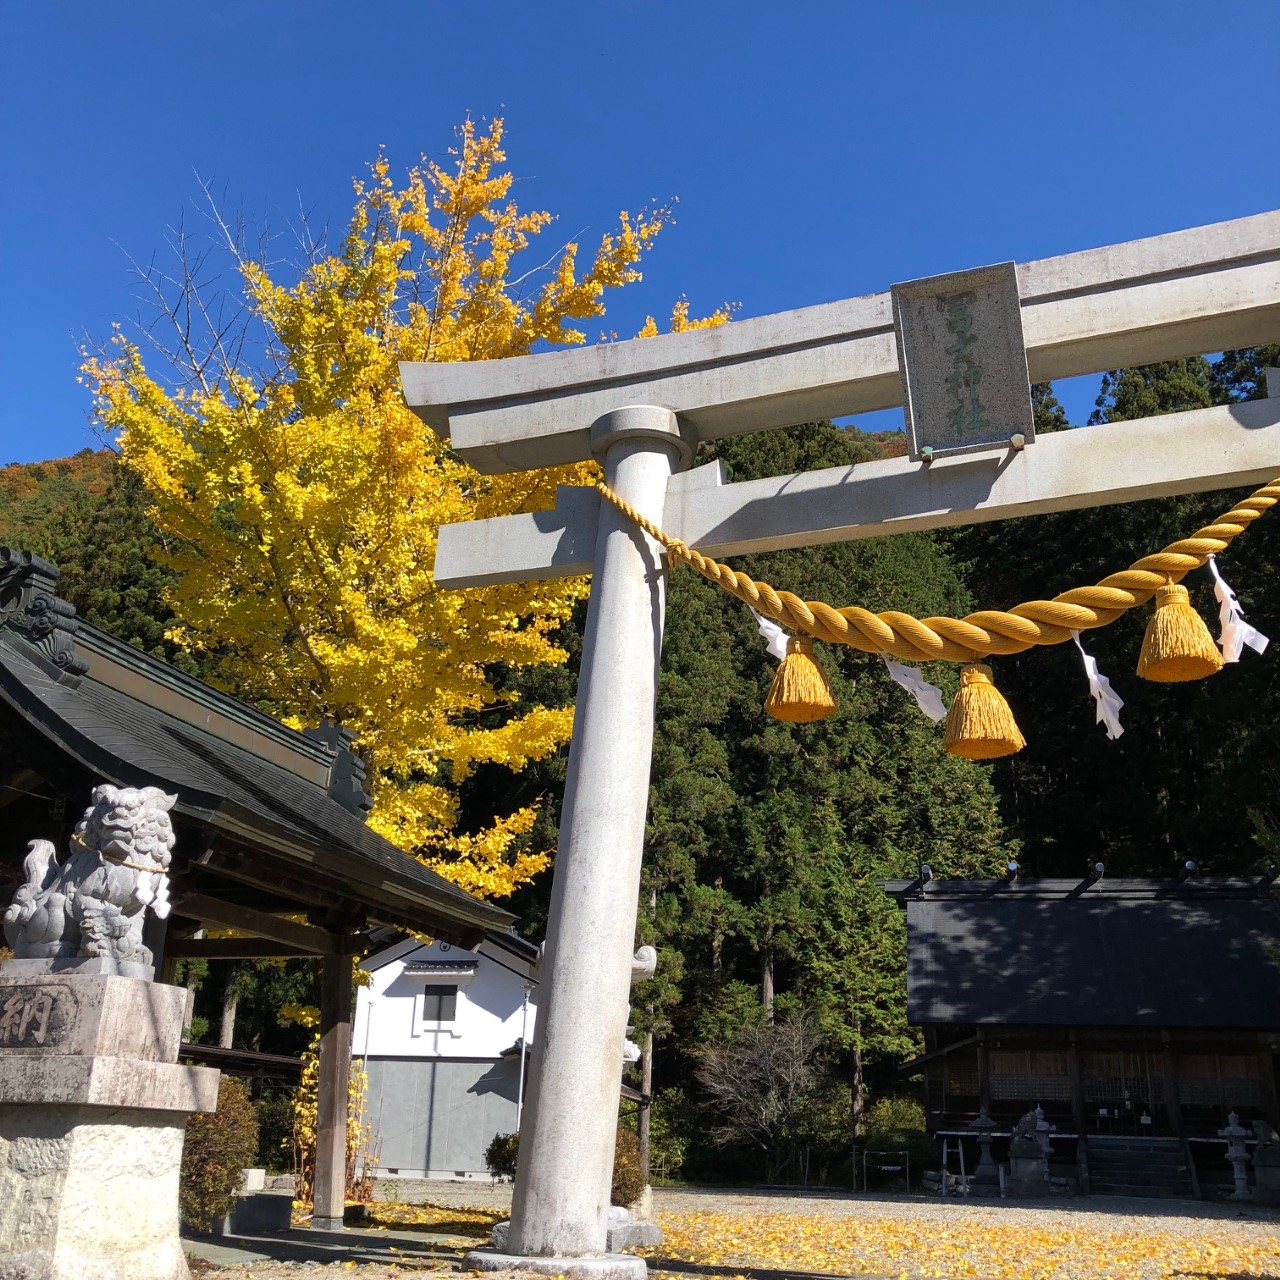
x=1075, y=1070
x=329, y=1196
x=644, y=1115
x=984, y=1073
x=1172, y=1098
x=1267, y=1081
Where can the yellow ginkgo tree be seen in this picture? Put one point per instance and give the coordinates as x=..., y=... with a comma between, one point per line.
x=298, y=499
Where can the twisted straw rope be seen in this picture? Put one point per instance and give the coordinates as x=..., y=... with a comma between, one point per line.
x=989, y=631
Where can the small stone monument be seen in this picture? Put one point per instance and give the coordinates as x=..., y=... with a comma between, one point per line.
x=92, y=1102
x=1235, y=1134
x=1029, y=1153
x=1266, y=1164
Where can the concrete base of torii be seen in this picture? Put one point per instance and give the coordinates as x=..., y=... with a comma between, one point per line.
x=606, y=1266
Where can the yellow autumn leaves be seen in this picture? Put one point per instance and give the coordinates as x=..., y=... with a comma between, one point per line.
x=298, y=499
x=915, y=1240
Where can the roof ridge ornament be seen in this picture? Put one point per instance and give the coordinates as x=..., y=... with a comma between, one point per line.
x=347, y=772
x=31, y=608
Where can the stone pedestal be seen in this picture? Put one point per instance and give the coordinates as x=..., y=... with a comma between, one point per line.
x=1029, y=1152
x=1028, y=1175
x=625, y=1231
x=1266, y=1173
x=600, y=1266
x=986, y=1176
x=92, y=1112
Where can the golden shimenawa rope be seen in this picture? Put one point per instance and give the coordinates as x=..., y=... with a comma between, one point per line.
x=989, y=631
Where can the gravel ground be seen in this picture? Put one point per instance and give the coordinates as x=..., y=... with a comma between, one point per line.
x=1222, y=1223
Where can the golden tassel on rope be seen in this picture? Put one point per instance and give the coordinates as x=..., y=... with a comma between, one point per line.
x=1177, y=644
x=799, y=693
x=980, y=725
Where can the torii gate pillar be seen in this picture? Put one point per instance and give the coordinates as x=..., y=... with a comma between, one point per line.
x=567, y=1141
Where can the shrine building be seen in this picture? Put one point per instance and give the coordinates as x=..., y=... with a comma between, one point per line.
x=270, y=822
x=1136, y=1012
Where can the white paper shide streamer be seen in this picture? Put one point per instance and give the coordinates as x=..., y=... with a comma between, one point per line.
x=1108, y=700
x=1236, y=632
x=928, y=696
x=774, y=636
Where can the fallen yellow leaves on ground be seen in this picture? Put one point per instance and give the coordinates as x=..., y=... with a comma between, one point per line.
x=468, y=1225
x=927, y=1242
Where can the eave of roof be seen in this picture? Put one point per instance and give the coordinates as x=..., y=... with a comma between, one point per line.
x=244, y=794
x=510, y=941
x=164, y=679
x=440, y=967
x=1015, y=888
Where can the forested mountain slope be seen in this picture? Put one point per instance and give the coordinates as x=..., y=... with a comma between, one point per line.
x=85, y=514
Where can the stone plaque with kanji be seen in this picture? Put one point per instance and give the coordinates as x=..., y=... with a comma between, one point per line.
x=963, y=362
x=38, y=1016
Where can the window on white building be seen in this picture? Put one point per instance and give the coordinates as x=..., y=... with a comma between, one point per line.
x=440, y=1003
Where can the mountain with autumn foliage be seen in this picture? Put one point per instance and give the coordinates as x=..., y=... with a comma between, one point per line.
x=85, y=514
x=34, y=494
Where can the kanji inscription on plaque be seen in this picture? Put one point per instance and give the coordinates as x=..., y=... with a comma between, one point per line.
x=963, y=363
x=34, y=1017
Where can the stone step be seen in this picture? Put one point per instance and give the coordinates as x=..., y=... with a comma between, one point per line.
x=1134, y=1176
x=1147, y=1166
x=1101, y=1161
x=1162, y=1192
x=1134, y=1144
x=1155, y=1165
x=1174, y=1177
x=1138, y=1166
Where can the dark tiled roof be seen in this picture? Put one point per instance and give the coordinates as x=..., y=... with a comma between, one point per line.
x=1183, y=959
x=124, y=738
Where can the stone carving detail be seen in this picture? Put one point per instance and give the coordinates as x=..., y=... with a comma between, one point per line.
x=1030, y=1135
x=36, y=1016
x=29, y=604
x=92, y=904
x=644, y=964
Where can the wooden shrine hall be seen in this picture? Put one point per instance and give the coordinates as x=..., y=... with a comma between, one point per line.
x=269, y=821
x=1127, y=1008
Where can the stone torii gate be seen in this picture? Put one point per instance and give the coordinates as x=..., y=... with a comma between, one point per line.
x=641, y=408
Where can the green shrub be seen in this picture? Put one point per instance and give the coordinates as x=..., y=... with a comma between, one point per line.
x=892, y=1115
x=897, y=1124
x=672, y=1128
x=628, y=1176
x=501, y=1155
x=217, y=1149
x=275, y=1130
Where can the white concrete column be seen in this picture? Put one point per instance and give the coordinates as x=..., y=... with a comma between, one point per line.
x=570, y=1118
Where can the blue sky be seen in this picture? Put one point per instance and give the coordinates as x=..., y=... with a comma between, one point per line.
x=818, y=150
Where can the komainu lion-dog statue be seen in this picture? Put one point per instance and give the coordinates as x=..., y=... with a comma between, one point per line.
x=93, y=903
